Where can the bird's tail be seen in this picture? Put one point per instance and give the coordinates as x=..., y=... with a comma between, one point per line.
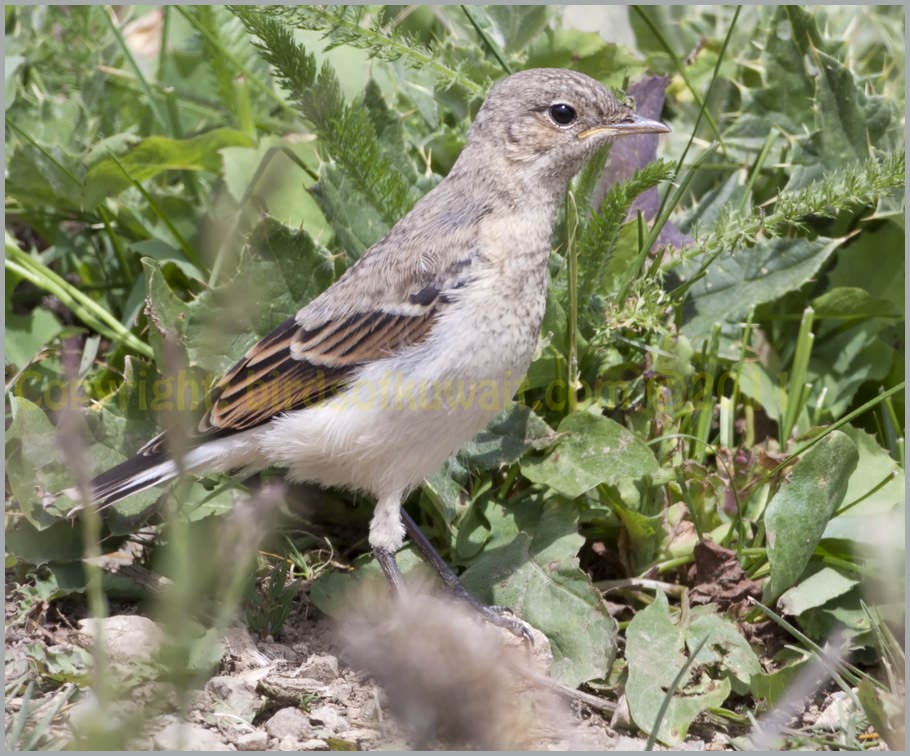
x=132, y=476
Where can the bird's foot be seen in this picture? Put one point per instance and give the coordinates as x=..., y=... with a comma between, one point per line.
x=502, y=616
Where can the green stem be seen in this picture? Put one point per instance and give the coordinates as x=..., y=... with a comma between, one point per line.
x=572, y=324
x=83, y=307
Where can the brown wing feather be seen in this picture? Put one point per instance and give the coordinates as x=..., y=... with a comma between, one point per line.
x=292, y=368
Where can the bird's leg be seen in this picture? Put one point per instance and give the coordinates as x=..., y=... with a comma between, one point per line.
x=497, y=615
x=390, y=569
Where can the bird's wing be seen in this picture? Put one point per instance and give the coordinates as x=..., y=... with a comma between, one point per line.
x=294, y=367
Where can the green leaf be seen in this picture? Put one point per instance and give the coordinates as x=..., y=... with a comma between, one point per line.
x=594, y=450
x=745, y=278
x=797, y=515
x=33, y=467
x=530, y=564
x=509, y=435
x=26, y=335
x=586, y=52
x=654, y=653
x=154, y=155
x=773, y=686
x=816, y=590
x=726, y=649
x=873, y=515
x=852, y=303
x=357, y=224
x=841, y=118
x=45, y=177
x=280, y=271
x=281, y=185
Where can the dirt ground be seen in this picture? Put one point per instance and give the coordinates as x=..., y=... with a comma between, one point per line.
x=448, y=681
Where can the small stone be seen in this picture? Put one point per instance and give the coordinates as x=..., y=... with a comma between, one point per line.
x=361, y=734
x=338, y=690
x=235, y=695
x=323, y=667
x=313, y=744
x=252, y=741
x=126, y=637
x=329, y=717
x=189, y=737
x=837, y=713
x=289, y=721
x=289, y=743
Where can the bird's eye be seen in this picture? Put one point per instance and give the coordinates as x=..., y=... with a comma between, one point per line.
x=563, y=114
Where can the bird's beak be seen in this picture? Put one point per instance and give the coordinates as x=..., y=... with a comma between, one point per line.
x=633, y=124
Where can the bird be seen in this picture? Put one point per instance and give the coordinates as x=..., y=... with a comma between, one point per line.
x=373, y=384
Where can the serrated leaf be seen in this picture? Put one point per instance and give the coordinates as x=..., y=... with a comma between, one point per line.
x=736, y=282
x=281, y=270
x=654, y=653
x=797, y=515
x=594, y=450
x=155, y=155
x=45, y=177
x=357, y=224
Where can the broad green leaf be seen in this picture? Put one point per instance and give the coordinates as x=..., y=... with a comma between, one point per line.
x=586, y=52
x=26, y=335
x=755, y=383
x=841, y=119
x=726, y=650
x=153, y=155
x=281, y=185
x=530, y=564
x=594, y=450
x=45, y=177
x=845, y=359
x=163, y=252
x=874, y=466
x=815, y=591
x=280, y=271
x=654, y=653
x=34, y=469
x=59, y=542
x=509, y=435
x=882, y=280
x=747, y=277
x=773, y=686
x=851, y=303
x=843, y=614
x=518, y=25
x=11, y=66
x=797, y=515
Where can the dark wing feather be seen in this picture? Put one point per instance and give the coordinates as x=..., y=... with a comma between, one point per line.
x=295, y=367
x=292, y=368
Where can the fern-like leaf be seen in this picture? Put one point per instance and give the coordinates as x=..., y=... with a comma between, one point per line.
x=345, y=131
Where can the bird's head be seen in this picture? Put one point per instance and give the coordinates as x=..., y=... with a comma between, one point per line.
x=547, y=122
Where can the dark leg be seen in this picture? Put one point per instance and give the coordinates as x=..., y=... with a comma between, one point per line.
x=390, y=569
x=496, y=615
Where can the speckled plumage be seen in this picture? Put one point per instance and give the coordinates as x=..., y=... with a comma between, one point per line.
x=418, y=345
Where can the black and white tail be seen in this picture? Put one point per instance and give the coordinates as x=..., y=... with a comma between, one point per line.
x=132, y=476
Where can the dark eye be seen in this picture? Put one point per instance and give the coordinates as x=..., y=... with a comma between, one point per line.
x=563, y=114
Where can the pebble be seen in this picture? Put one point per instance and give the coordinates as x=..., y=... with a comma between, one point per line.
x=288, y=722
x=189, y=737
